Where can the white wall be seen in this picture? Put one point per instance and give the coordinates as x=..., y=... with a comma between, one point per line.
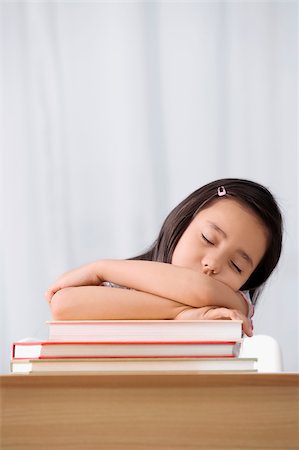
x=111, y=113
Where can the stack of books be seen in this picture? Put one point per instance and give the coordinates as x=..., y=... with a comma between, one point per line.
x=135, y=346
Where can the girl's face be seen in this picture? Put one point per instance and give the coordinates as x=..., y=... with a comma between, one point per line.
x=225, y=241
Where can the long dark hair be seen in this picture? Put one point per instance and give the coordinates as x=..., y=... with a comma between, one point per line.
x=249, y=193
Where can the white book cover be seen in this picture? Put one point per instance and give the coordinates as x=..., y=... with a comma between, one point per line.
x=145, y=330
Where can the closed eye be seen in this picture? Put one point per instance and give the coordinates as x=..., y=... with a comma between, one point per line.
x=207, y=240
x=236, y=267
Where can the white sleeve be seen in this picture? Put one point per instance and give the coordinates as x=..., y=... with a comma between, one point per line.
x=113, y=285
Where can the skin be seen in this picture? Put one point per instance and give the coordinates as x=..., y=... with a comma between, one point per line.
x=225, y=241
x=214, y=257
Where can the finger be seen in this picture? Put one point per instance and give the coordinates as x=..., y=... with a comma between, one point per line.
x=246, y=323
x=219, y=314
x=247, y=327
x=232, y=314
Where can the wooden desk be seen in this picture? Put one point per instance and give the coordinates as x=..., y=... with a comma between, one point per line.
x=145, y=412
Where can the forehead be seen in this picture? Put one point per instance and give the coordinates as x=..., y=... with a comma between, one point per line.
x=237, y=223
x=228, y=209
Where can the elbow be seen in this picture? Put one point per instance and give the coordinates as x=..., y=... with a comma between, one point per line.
x=61, y=305
x=203, y=292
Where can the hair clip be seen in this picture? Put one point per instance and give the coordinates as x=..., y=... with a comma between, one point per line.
x=221, y=191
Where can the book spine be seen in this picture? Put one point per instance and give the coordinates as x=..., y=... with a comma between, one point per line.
x=126, y=357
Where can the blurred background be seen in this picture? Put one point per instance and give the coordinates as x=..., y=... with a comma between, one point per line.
x=113, y=112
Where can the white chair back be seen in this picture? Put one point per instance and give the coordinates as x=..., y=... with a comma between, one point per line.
x=266, y=349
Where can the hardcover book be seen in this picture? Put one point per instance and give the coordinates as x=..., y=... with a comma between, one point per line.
x=145, y=330
x=134, y=365
x=61, y=349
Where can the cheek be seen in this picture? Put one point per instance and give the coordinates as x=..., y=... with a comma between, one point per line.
x=186, y=251
x=179, y=254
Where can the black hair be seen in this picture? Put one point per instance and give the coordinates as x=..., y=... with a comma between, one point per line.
x=249, y=193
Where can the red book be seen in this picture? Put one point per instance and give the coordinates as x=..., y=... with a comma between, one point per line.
x=124, y=349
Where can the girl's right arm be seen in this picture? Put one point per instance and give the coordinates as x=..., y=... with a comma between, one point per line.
x=102, y=303
x=216, y=313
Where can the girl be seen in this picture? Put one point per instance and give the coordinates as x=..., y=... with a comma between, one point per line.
x=213, y=255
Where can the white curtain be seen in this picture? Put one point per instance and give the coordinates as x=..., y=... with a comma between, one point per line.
x=112, y=112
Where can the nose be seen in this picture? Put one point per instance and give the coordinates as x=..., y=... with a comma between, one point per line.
x=207, y=270
x=210, y=266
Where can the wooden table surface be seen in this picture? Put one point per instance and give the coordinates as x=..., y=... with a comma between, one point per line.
x=149, y=411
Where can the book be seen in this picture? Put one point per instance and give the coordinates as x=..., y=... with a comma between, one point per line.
x=61, y=349
x=133, y=365
x=145, y=330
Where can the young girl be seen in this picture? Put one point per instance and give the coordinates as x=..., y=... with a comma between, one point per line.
x=213, y=254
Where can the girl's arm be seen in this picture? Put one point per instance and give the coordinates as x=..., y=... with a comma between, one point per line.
x=179, y=284
x=98, y=302
x=101, y=303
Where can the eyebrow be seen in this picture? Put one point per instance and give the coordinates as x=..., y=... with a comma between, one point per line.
x=213, y=225
x=243, y=254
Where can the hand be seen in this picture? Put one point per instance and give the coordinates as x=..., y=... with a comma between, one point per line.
x=216, y=313
x=83, y=276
